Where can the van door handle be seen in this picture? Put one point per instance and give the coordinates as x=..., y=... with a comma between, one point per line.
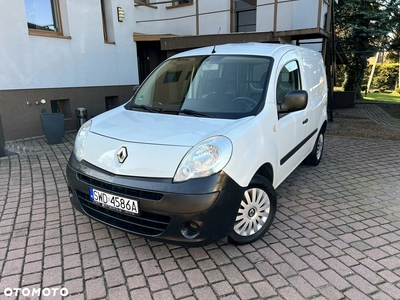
x=305, y=121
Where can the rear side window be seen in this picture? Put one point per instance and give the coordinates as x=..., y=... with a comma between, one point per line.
x=288, y=80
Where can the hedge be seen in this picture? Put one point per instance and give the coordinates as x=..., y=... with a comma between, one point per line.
x=385, y=76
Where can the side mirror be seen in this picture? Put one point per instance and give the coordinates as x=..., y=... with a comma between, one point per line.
x=294, y=101
x=135, y=88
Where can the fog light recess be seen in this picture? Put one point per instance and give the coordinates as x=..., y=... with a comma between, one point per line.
x=190, y=230
x=71, y=194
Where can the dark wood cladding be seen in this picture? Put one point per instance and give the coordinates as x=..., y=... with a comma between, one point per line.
x=196, y=41
x=190, y=42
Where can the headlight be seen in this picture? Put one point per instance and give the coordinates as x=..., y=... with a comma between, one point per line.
x=80, y=140
x=205, y=159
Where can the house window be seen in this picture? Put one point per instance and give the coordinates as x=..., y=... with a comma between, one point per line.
x=108, y=28
x=112, y=102
x=43, y=17
x=245, y=15
x=103, y=15
x=180, y=2
x=146, y=3
x=61, y=106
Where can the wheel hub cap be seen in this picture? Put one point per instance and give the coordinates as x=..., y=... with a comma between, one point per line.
x=253, y=212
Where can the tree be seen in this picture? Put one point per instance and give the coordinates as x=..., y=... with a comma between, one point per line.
x=394, y=47
x=362, y=29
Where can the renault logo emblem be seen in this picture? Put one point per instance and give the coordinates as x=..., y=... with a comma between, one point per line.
x=122, y=154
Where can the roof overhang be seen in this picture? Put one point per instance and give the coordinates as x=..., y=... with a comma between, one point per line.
x=303, y=34
x=170, y=42
x=142, y=37
x=196, y=41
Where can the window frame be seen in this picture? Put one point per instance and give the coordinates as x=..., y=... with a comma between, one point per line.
x=296, y=77
x=175, y=5
x=57, y=15
x=103, y=19
x=145, y=3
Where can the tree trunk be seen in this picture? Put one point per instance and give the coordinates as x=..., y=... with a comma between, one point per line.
x=355, y=73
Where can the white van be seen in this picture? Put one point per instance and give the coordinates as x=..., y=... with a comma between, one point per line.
x=197, y=153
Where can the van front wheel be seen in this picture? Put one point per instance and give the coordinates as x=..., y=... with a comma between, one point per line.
x=256, y=212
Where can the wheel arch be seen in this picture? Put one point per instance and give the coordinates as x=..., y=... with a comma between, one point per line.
x=323, y=127
x=266, y=171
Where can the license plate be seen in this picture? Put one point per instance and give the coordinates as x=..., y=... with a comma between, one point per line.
x=114, y=202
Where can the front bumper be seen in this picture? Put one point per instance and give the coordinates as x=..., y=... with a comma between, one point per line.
x=166, y=208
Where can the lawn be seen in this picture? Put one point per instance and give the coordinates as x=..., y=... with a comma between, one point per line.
x=383, y=97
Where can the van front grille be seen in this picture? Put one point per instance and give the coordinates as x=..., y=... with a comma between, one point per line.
x=146, y=223
x=123, y=190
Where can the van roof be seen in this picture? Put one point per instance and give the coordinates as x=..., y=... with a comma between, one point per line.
x=262, y=49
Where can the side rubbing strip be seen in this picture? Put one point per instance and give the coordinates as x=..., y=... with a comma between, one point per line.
x=295, y=149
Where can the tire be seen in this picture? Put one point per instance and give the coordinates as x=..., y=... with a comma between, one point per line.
x=314, y=158
x=256, y=212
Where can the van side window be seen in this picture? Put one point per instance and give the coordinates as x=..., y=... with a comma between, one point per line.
x=288, y=80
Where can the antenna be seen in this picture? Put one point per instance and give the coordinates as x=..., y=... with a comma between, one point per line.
x=213, y=50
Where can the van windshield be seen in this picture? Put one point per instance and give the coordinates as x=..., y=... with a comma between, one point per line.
x=223, y=86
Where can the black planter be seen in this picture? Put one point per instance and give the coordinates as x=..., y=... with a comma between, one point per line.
x=343, y=99
x=53, y=127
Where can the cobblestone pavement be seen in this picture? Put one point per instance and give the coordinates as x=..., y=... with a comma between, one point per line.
x=374, y=113
x=336, y=235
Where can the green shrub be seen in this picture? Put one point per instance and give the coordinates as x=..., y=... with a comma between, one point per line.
x=397, y=91
x=340, y=75
x=385, y=76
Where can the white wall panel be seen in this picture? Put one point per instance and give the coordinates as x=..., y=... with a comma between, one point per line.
x=29, y=61
x=285, y=16
x=265, y=15
x=305, y=14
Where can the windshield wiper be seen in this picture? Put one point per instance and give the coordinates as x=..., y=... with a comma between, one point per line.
x=148, y=108
x=190, y=112
x=183, y=111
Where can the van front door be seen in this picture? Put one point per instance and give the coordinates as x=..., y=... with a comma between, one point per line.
x=292, y=127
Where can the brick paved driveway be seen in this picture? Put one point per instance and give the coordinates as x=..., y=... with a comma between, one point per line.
x=336, y=236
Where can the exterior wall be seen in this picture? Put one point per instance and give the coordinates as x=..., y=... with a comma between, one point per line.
x=22, y=121
x=30, y=61
x=211, y=22
x=81, y=67
x=83, y=70
x=181, y=20
x=305, y=14
x=265, y=15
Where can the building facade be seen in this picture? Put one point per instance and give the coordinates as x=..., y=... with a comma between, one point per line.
x=58, y=55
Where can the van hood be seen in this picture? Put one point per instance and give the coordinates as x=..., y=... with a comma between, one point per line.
x=157, y=128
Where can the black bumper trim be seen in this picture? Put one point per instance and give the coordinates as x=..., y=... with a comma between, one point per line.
x=119, y=189
x=146, y=223
x=211, y=202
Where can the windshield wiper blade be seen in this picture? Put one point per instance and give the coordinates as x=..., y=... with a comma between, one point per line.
x=148, y=108
x=191, y=113
x=183, y=111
